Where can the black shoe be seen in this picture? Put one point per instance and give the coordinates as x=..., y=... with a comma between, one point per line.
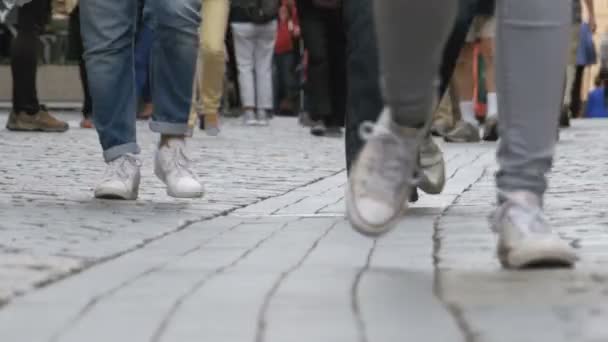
x=564, y=117
x=490, y=131
x=318, y=129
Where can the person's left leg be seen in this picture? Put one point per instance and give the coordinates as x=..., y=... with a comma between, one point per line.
x=530, y=88
x=575, y=94
x=174, y=55
x=262, y=56
x=213, y=54
x=382, y=179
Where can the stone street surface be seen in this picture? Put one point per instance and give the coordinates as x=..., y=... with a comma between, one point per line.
x=268, y=256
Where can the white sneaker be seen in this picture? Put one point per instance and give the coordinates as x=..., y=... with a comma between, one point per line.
x=172, y=166
x=432, y=167
x=382, y=178
x=121, y=179
x=525, y=238
x=249, y=118
x=263, y=118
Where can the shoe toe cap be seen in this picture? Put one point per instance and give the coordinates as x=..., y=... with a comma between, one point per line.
x=186, y=187
x=375, y=213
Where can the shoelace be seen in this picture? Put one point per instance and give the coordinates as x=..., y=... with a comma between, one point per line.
x=391, y=169
x=180, y=162
x=118, y=168
x=523, y=214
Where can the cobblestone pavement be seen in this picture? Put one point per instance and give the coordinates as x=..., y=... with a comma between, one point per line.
x=268, y=256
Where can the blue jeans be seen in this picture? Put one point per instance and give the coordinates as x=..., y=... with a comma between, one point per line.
x=108, y=30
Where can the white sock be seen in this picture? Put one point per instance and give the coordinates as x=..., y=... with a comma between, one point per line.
x=492, y=105
x=467, y=109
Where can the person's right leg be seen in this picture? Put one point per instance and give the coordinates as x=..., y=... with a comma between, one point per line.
x=27, y=113
x=531, y=89
x=317, y=88
x=262, y=55
x=108, y=32
x=243, y=34
x=383, y=176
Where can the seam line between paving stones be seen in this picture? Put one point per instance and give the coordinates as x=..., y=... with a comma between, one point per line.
x=166, y=321
x=355, y=304
x=453, y=309
x=262, y=322
x=90, y=264
x=307, y=197
x=97, y=299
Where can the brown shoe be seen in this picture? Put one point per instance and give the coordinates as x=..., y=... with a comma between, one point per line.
x=42, y=121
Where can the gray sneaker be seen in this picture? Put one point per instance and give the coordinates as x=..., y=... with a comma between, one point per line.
x=432, y=167
x=525, y=238
x=382, y=178
x=463, y=132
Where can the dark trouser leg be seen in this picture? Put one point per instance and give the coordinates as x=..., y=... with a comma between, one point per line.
x=575, y=96
x=317, y=88
x=24, y=55
x=337, y=56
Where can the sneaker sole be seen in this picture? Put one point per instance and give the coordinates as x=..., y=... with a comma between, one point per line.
x=541, y=254
x=363, y=227
x=436, y=187
x=46, y=130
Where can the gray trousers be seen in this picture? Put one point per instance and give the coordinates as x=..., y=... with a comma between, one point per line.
x=532, y=44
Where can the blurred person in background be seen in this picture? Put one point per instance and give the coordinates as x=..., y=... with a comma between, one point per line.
x=570, y=72
x=286, y=84
x=212, y=62
x=76, y=52
x=482, y=32
x=28, y=114
x=324, y=39
x=254, y=30
x=143, y=60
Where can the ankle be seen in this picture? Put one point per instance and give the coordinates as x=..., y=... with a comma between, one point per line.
x=166, y=138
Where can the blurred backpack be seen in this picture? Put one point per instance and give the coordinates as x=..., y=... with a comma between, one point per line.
x=258, y=11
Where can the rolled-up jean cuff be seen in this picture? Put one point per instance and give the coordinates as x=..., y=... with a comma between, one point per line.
x=170, y=128
x=120, y=150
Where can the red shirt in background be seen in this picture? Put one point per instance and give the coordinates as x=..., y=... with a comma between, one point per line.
x=288, y=27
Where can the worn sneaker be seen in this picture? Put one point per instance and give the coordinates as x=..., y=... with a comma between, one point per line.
x=432, y=167
x=249, y=118
x=121, y=179
x=318, y=129
x=490, y=130
x=172, y=166
x=463, y=132
x=525, y=238
x=440, y=127
x=42, y=121
x=382, y=178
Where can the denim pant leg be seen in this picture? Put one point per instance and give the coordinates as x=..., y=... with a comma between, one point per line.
x=108, y=32
x=174, y=54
